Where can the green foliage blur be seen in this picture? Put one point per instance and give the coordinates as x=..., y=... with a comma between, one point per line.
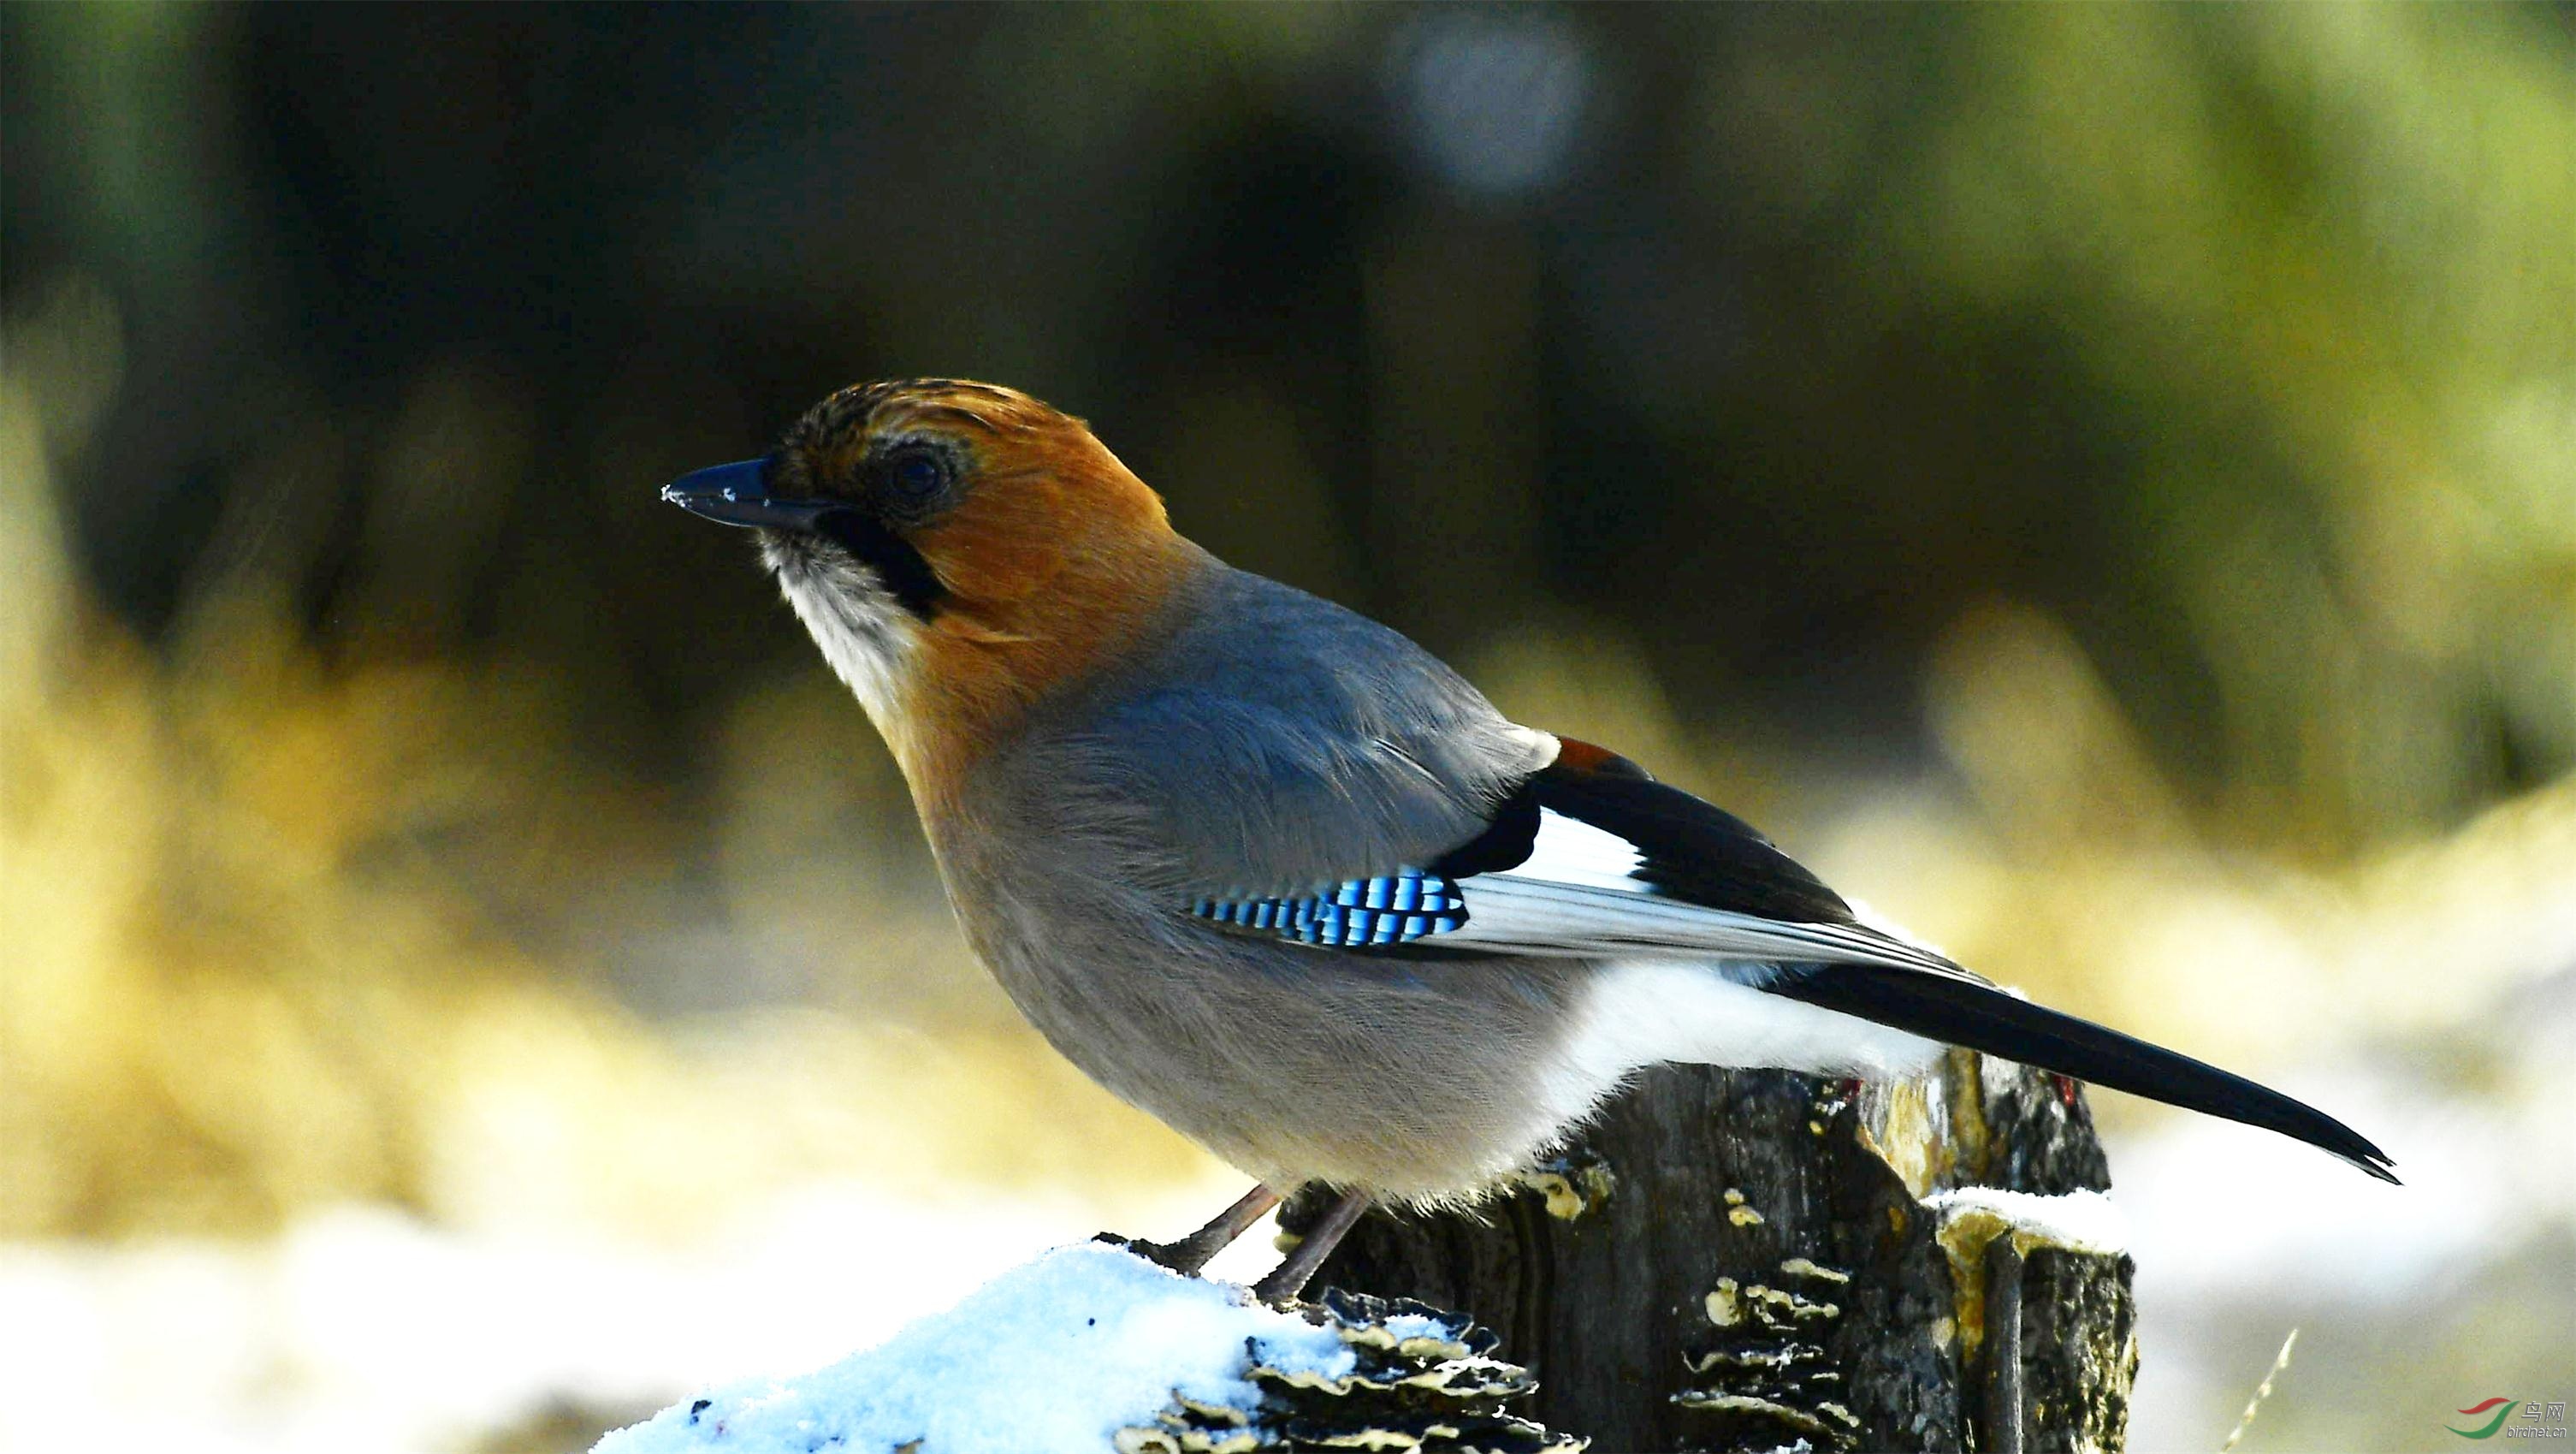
x=2032, y=458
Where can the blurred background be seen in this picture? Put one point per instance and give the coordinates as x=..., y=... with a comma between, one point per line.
x=2099, y=483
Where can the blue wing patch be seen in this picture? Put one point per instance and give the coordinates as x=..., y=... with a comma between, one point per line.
x=1393, y=908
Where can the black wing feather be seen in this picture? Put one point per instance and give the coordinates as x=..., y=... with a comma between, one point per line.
x=1697, y=853
x=1985, y=1019
x=1688, y=850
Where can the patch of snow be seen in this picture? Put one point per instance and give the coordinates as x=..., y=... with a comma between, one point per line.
x=2079, y=1221
x=1056, y=1355
x=364, y=1328
x=1403, y=1326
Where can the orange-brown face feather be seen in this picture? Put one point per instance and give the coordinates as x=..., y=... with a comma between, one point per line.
x=1050, y=554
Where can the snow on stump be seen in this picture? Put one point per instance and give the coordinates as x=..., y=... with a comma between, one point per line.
x=1091, y=1348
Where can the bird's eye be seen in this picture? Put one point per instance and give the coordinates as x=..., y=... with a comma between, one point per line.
x=916, y=476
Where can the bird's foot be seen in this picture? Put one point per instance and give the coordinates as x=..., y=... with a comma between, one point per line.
x=1175, y=1255
x=1192, y=1252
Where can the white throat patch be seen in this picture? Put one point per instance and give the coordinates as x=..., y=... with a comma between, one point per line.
x=865, y=633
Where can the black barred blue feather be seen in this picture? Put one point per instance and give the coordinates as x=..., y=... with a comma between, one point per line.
x=1368, y=913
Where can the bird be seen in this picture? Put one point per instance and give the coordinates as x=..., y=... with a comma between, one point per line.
x=1278, y=876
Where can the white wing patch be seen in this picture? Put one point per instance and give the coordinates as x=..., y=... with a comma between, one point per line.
x=1579, y=895
x=1571, y=851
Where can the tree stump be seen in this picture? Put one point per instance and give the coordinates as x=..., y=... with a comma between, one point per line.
x=1741, y=1260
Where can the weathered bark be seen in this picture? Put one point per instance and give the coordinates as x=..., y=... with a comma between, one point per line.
x=1740, y=1260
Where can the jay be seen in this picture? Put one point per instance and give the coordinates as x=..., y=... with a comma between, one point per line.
x=1273, y=873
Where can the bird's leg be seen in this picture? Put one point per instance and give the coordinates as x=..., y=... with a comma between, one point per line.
x=1192, y=1252
x=1292, y=1275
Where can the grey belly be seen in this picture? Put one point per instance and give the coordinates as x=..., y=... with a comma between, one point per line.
x=1414, y=1079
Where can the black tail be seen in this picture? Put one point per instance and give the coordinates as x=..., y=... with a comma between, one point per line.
x=1982, y=1018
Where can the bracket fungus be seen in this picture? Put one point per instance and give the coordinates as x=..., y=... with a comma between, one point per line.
x=1420, y=1381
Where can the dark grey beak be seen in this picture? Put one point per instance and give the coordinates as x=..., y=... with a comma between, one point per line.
x=736, y=494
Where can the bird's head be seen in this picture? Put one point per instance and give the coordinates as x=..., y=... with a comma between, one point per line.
x=958, y=550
